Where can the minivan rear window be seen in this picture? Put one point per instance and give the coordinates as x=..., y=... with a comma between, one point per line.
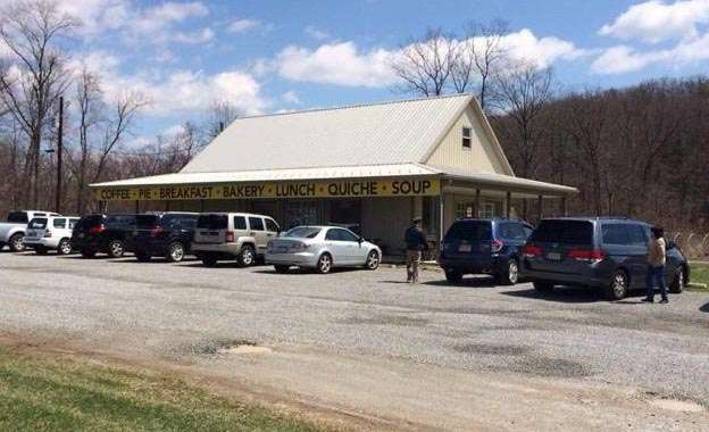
x=564, y=232
x=213, y=222
x=470, y=231
x=38, y=223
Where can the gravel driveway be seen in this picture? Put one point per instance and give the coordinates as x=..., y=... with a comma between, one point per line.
x=365, y=344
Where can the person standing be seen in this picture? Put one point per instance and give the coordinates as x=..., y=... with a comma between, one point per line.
x=415, y=243
x=656, y=265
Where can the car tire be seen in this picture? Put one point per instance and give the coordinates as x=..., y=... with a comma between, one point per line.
x=142, y=257
x=510, y=273
x=677, y=284
x=617, y=289
x=2, y=245
x=116, y=249
x=373, y=260
x=40, y=250
x=17, y=243
x=175, y=252
x=209, y=261
x=88, y=254
x=247, y=256
x=324, y=264
x=282, y=269
x=543, y=287
x=64, y=247
x=453, y=276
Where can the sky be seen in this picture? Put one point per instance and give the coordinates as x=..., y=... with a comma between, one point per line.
x=269, y=56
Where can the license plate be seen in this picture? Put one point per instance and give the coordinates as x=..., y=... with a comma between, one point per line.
x=554, y=256
x=465, y=248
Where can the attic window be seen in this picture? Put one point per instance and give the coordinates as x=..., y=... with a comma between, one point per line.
x=467, y=132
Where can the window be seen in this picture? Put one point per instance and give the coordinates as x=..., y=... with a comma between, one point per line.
x=347, y=236
x=59, y=223
x=212, y=222
x=564, y=232
x=303, y=232
x=467, y=133
x=239, y=223
x=271, y=225
x=38, y=223
x=487, y=210
x=332, y=234
x=512, y=231
x=17, y=217
x=73, y=223
x=256, y=224
x=464, y=209
x=431, y=214
x=615, y=234
x=636, y=234
x=470, y=231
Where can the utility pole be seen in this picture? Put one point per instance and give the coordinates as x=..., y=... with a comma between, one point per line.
x=60, y=146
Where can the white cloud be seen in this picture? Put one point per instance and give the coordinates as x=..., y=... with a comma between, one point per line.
x=161, y=16
x=654, y=21
x=196, y=37
x=96, y=16
x=243, y=25
x=316, y=34
x=338, y=63
x=291, y=97
x=542, y=52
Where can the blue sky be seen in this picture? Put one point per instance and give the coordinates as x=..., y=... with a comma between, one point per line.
x=269, y=56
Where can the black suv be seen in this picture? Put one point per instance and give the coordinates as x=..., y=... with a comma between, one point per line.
x=483, y=246
x=167, y=235
x=605, y=253
x=102, y=233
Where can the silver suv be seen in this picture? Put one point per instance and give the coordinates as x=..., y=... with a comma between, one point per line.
x=229, y=236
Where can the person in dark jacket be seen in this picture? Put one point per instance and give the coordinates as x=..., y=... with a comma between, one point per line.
x=416, y=242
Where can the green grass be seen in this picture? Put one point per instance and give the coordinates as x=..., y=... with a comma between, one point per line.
x=699, y=274
x=60, y=394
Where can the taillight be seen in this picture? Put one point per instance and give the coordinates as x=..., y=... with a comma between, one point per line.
x=47, y=233
x=532, y=251
x=299, y=246
x=97, y=229
x=589, y=255
x=156, y=231
x=229, y=237
x=496, y=246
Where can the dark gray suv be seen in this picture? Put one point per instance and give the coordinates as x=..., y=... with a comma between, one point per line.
x=605, y=253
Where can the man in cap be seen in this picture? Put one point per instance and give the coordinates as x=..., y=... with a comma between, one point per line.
x=415, y=243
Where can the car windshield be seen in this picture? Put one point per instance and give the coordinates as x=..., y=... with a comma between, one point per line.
x=213, y=222
x=564, y=232
x=470, y=231
x=302, y=232
x=147, y=221
x=17, y=217
x=38, y=223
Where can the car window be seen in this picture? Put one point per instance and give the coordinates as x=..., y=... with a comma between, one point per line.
x=333, y=234
x=470, y=231
x=147, y=221
x=188, y=222
x=271, y=225
x=511, y=231
x=59, y=223
x=120, y=220
x=636, y=234
x=17, y=217
x=564, y=232
x=303, y=232
x=212, y=222
x=616, y=234
x=73, y=223
x=239, y=223
x=256, y=224
x=89, y=221
x=527, y=231
x=37, y=223
x=347, y=236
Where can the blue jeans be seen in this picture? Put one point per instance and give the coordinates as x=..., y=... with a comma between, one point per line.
x=656, y=275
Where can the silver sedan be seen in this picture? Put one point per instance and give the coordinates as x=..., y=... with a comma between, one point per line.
x=321, y=248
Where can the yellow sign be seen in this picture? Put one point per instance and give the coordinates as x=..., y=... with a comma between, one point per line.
x=318, y=189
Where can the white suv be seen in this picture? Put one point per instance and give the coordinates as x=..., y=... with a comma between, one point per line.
x=228, y=236
x=50, y=233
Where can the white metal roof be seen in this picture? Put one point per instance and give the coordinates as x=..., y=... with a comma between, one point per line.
x=505, y=181
x=384, y=134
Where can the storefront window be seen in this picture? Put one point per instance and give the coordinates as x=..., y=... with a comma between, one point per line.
x=346, y=213
x=431, y=214
x=301, y=213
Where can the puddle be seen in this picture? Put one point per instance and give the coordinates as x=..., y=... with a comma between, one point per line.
x=677, y=405
x=244, y=349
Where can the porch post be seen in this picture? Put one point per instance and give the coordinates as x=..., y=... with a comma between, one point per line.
x=201, y=206
x=477, y=203
x=564, y=210
x=508, y=204
x=137, y=206
x=540, y=207
x=441, y=209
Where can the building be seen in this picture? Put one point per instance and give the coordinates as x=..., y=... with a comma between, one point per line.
x=371, y=167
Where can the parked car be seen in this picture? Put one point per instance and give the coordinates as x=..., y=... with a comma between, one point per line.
x=321, y=248
x=229, y=236
x=12, y=231
x=167, y=235
x=484, y=246
x=605, y=253
x=102, y=233
x=50, y=233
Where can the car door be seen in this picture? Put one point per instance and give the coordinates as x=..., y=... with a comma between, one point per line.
x=60, y=226
x=356, y=252
x=637, y=254
x=257, y=230
x=272, y=229
x=338, y=247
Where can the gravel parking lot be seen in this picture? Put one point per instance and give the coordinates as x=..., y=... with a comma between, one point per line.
x=365, y=346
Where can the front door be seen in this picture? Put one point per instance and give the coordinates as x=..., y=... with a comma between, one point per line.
x=258, y=232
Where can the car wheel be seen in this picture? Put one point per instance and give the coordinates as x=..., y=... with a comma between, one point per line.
x=618, y=287
x=142, y=257
x=116, y=249
x=209, y=261
x=453, y=276
x=372, y=260
x=88, y=254
x=176, y=252
x=17, y=242
x=543, y=287
x=2, y=245
x=324, y=264
x=247, y=256
x=282, y=269
x=64, y=247
x=678, y=282
x=40, y=250
x=510, y=274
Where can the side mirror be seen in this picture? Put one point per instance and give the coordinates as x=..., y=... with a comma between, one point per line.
x=360, y=239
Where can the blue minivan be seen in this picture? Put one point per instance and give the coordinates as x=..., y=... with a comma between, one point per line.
x=484, y=246
x=606, y=253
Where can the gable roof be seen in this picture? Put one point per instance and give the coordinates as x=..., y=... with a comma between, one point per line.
x=398, y=132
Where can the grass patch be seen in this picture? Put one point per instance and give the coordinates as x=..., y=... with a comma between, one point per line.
x=699, y=273
x=42, y=394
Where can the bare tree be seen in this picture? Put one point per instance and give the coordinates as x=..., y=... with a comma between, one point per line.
x=89, y=106
x=31, y=30
x=425, y=65
x=221, y=114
